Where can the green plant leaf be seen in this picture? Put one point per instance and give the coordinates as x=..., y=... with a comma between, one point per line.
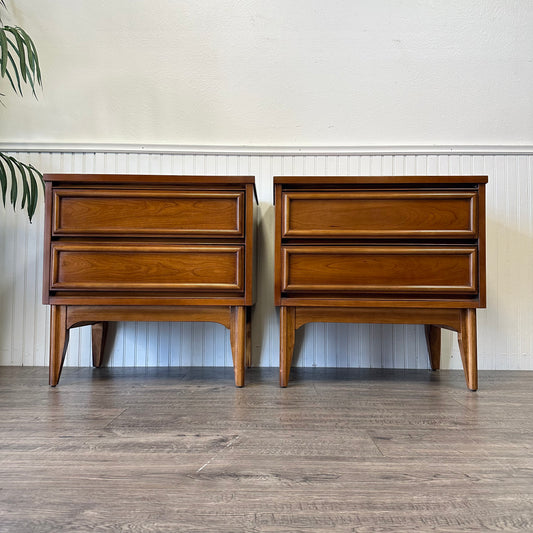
x=3, y=182
x=33, y=57
x=25, y=185
x=15, y=70
x=21, y=59
x=8, y=74
x=29, y=177
x=14, y=185
x=21, y=51
x=29, y=76
x=4, y=52
x=34, y=190
x=39, y=175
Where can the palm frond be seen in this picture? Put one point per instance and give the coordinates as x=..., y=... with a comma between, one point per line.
x=19, y=59
x=19, y=63
x=12, y=172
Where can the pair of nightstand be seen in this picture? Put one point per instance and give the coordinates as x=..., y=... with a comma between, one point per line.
x=348, y=249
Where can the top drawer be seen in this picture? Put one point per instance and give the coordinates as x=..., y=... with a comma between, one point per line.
x=387, y=214
x=124, y=212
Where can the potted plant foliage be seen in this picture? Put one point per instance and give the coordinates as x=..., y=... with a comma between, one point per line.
x=19, y=65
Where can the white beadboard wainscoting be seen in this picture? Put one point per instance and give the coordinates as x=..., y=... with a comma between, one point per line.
x=505, y=328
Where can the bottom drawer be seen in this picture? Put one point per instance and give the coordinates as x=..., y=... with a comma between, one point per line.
x=99, y=266
x=379, y=269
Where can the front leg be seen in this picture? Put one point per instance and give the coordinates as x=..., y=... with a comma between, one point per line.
x=238, y=342
x=248, y=337
x=467, y=337
x=58, y=341
x=287, y=317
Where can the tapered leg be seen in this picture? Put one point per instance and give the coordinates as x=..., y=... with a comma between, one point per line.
x=433, y=339
x=99, y=334
x=467, y=337
x=287, y=332
x=238, y=343
x=58, y=341
x=248, y=337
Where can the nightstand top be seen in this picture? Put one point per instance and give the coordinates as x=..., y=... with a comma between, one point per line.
x=377, y=180
x=150, y=179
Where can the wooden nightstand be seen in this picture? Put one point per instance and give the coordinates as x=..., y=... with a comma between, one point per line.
x=140, y=248
x=381, y=250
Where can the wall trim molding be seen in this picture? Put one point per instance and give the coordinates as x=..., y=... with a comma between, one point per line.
x=271, y=151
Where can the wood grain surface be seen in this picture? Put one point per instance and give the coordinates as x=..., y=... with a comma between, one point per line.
x=182, y=449
x=380, y=213
x=133, y=212
x=361, y=269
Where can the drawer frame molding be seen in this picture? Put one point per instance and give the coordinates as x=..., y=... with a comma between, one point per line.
x=366, y=253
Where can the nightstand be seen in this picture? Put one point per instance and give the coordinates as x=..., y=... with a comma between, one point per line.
x=148, y=248
x=389, y=250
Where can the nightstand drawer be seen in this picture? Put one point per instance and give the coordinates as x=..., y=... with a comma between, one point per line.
x=374, y=214
x=123, y=212
x=166, y=267
x=415, y=270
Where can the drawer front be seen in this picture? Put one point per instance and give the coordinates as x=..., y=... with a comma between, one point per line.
x=150, y=212
x=95, y=266
x=379, y=269
x=368, y=214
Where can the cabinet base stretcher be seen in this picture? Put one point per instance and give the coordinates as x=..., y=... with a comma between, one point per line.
x=65, y=317
x=462, y=321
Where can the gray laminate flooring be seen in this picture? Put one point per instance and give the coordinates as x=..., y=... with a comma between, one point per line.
x=183, y=450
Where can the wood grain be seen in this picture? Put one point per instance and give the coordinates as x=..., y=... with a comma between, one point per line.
x=181, y=449
x=238, y=340
x=433, y=341
x=116, y=212
x=98, y=338
x=117, y=267
x=391, y=269
x=380, y=213
x=59, y=335
x=287, y=324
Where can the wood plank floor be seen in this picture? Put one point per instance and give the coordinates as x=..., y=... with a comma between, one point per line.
x=183, y=450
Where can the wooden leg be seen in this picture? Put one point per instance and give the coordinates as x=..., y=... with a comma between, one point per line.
x=433, y=339
x=238, y=343
x=467, y=337
x=248, y=337
x=99, y=334
x=58, y=342
x=286, y=348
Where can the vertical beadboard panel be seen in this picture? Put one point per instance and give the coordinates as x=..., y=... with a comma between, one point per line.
x=505, y=328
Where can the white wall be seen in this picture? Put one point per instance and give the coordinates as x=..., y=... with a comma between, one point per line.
x=278, y=72
x=123, y=76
